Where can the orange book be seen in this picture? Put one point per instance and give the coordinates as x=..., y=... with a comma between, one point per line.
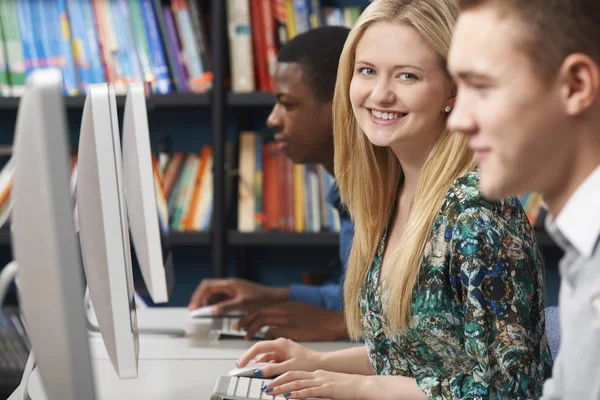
x=172, y=171
x=188, y=221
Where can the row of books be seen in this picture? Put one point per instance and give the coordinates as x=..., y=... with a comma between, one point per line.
x=184, y=190
x=276, y=195
x=94, y=41
x=258, y=28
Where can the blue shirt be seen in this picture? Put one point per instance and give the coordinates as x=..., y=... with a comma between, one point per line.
x=329, y=295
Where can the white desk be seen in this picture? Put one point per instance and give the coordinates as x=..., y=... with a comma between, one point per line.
x=193, y=343
x=157, y=380
x=184, y=366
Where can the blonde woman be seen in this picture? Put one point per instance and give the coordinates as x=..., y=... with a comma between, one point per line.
x=444, y=286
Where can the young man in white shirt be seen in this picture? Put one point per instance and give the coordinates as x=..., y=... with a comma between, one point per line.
x=528, y=76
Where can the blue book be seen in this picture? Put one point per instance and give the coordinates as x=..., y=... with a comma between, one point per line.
x=80, y=47
x=89, y=22
x=44, y=37
x=30, y=55
x=302, y=16
x=64, y=46
x=157, y=55
x=308, y=200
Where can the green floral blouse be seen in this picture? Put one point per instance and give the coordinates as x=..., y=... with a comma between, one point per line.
x=478, y=327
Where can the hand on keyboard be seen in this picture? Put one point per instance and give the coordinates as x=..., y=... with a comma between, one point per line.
x=239, y=388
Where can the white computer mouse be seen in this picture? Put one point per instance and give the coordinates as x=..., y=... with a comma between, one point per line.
x=248, y=370
x=202, y=312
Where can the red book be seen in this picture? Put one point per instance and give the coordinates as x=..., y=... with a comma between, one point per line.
x=271, y=188
x=260, y=46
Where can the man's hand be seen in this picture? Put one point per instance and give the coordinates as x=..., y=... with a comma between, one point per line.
x=239, y=294
x=296, y=321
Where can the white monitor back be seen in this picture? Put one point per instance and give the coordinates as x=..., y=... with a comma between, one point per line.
x=103, y=229
x=44, y=242
x=153, y=256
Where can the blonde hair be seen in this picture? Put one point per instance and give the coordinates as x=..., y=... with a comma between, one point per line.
x=369, y=177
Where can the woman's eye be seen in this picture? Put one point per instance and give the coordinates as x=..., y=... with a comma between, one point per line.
x=407, y=76
x=366, y=71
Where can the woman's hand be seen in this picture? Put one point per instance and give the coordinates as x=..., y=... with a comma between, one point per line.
x=319, y=384
x=337, y=386
x=284, y=354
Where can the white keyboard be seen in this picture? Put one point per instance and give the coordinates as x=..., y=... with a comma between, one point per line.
x=234, y=388
x=222, y=328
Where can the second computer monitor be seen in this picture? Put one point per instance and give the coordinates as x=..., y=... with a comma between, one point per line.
x=103, y=229
x=153, y=253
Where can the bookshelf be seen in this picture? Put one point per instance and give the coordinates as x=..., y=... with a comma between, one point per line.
x=283, y=239
x=224, y=107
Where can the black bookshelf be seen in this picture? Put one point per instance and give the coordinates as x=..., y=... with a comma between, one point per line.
x=282, y=239
x=177, y=239
x=171, y=100
x=251, y=99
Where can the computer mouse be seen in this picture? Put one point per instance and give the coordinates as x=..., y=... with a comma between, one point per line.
x=248, y=370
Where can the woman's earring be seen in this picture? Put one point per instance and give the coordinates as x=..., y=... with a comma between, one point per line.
x=448, y=109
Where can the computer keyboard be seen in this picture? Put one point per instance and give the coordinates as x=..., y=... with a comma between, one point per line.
x=14, y=348
x=235, y=388
x=222, y=328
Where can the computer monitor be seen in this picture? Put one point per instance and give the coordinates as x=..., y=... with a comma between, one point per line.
x=44, y=243
x=150, y=243
x=103, y=229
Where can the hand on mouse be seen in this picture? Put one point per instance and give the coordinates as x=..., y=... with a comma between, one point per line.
x=283, y=354
x=239, y=294
x=296, y=321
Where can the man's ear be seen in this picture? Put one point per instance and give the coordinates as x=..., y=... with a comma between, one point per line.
x=579, y=77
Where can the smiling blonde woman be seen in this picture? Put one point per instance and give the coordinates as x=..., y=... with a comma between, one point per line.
x=444, y=286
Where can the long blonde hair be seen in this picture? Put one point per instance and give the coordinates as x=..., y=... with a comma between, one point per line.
x=369, y=177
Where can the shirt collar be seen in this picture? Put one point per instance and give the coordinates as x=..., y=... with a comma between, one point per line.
x=578, y=224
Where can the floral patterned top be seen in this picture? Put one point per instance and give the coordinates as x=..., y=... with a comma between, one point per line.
x=478, y=326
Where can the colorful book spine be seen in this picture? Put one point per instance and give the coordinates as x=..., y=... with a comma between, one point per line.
x=270, y=41
x=79, y=44
x=239, y=33
x=279, y=13
x=198, y=31
x=14, y=47
x=26, y=31
x=43, y=37
x=162, y=83
x=314, y=13
x=4, y=84
x=97, y=74
x=174, y=39
x=140, y=40
x=290, y=22
x=66, y=49
x=199, y=80
x=166, y=41
x=258, y=184
x=302, y=20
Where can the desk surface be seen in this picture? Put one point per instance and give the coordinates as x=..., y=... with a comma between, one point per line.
x=192, y=342
x=157, y=380
x=181, y=366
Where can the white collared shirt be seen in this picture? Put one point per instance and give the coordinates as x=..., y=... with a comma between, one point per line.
x=579, y=220
x=576, y=371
